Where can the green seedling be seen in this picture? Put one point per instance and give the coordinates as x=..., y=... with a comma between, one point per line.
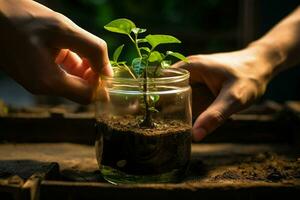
x=149, y=62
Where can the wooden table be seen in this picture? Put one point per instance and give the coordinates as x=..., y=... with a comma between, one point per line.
x=237, y=171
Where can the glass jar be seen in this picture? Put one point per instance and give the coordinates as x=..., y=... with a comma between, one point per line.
x=144, y=128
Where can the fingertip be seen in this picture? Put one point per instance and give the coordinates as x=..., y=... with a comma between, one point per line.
x=179, y=64
x=61, y=56
x=102, y=94
x=107, y=70
x=198, y=134
x=87, y=46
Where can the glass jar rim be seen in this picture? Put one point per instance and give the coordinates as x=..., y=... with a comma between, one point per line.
x=179, y=75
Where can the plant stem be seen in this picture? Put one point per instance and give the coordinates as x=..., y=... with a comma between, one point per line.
x=136, y=45
x=129, y=71
x=147, y=122
x=155, y=71
x=156, y=68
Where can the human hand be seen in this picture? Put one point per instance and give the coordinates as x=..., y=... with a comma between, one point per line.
x=225, y=83
x=237, y=79
x=48, y=54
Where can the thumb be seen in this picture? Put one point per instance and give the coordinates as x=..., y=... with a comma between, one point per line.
x=216, y=114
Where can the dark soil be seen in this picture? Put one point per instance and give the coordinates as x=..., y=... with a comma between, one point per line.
x=127, y=123
x=268, y=167
x=144, y=151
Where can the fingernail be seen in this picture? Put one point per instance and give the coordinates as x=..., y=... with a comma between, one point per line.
x=199, y=133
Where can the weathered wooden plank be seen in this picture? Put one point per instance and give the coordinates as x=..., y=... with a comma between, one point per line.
x=263, y=123
x=44, y=129
x=210, y=162
x=217, y=171
x=68, y=190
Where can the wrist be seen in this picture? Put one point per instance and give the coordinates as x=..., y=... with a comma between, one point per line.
x=268, y=58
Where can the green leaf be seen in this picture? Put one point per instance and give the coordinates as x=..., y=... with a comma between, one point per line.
x=145, y=49
x=155, y=40
x=177, y=55
x=117, y=53
x=155, y=56
x=138, y=30
x=141, y=40
x=165, y=64
x=122, y=62
x=113, y=62
x=154, y=98
x=122, y=25
x=138, y=65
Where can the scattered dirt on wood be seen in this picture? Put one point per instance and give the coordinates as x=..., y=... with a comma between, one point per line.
x=269, y=167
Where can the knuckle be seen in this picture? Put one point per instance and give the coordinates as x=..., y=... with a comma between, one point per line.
x=231, y=73
x=236, y=96
x=257, y=85
x=59, y=18
x=60, y=24
x=251, y=87
x=243, y=92
x=101, y=45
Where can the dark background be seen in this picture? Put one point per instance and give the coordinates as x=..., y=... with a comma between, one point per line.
x=204, y=26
